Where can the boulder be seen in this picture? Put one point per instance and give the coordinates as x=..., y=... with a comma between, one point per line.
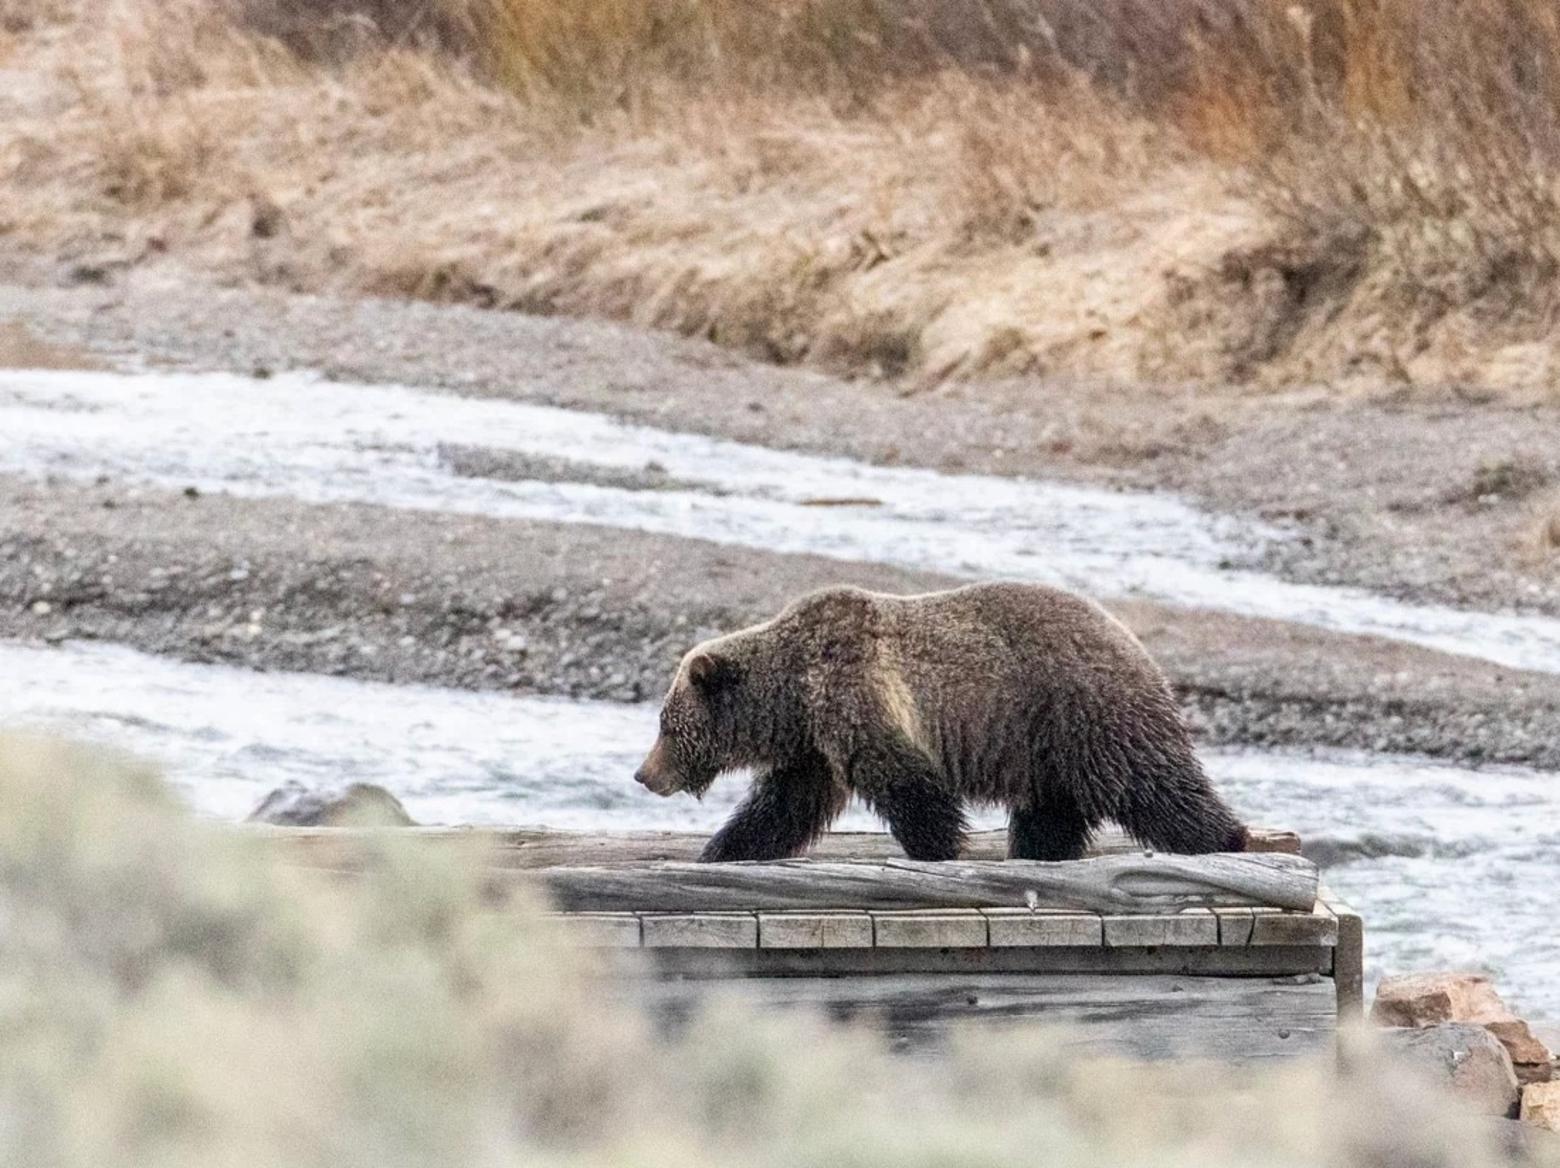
x=1524, y=1146
x=1541, y=1105
x=1534, y=1072
x=1549, y=1034
x=353, y=805
x=1467, y=1059
x=1428, y=999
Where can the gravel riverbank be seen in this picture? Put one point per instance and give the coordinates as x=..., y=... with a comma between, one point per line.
x=1435, y=499
x=572, y=609
x=605, y=613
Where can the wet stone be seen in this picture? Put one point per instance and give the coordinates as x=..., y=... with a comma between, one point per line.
x=1426, y=999
x=1466, y=1059
x=354, y=805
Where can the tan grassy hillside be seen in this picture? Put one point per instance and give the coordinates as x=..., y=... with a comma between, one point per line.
x=1151, y=190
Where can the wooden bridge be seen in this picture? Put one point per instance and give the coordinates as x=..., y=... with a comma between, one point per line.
x=1234, y=957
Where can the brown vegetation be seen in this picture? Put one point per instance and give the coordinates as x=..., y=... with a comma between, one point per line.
x=1198, y=190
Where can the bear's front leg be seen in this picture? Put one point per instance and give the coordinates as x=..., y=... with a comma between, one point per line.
x=787, y=810
x=901, y=785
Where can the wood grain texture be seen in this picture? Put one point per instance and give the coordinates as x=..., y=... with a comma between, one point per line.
x=527, y=848
x=820, y=930
x=1262, y=961
x=1143, y=1016
x=1022, y=926
x=1145, y=929
x=1234, y=926
x=942, y=929
x=1129, y=883
x=1318, y=927
x=1348, y=958
x=599, y=930
x=700, y=930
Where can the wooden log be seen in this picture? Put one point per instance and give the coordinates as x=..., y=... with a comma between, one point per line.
x=1124, y=883
x=1143, y=1016
x=526, y=848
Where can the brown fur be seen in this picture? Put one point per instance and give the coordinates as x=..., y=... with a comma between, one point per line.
x=1008, y=694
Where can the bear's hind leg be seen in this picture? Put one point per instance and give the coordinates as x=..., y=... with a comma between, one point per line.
x=786, y=811
x=1052, y=829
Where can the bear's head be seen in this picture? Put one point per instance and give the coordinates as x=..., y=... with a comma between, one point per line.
x=699, y=734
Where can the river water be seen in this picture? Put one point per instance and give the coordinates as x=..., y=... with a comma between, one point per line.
x=319, y=441
x=1450, y=867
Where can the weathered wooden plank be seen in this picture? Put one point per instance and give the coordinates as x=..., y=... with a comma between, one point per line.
x=1234, y=925
x=1312, y=928
x=712, y=930
x=1120, y=884
x=601, y=930
x=527, y=848
x=1022, y=926
x=1142, y=929
x=1348, y=958
x=1261, y=961
x=818, y=930
x=1142, y=1016
x=942, y=929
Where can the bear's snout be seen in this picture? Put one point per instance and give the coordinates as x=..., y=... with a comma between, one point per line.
x=653, y=774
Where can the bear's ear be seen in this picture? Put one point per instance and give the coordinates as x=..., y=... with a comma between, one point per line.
x=710, y=673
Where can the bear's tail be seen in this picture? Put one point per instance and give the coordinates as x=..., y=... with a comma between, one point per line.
x=1170, y=806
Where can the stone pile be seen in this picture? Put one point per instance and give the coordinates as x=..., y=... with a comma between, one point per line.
x=1457, y=1026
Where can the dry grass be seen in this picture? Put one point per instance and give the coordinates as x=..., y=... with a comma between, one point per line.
x=170, y=996
x=1199, y=190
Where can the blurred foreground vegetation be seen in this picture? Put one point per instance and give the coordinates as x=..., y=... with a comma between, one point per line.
x=171, y=996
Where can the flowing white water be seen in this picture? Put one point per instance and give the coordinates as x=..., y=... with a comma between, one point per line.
x=1450, y=867
x=1455, y=868
x=318, y=441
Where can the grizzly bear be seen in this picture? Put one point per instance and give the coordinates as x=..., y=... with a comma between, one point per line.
x=998, y=694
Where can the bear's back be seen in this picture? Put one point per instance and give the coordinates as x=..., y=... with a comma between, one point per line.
x=993, y=648
x=1024, y=625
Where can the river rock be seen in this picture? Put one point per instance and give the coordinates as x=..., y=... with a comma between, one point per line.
x=353, y=805
x=1541, y=1105
x=1427, y=999
x=1466, y=1058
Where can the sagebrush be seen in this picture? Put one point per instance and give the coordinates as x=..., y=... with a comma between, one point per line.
x=171, y=995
